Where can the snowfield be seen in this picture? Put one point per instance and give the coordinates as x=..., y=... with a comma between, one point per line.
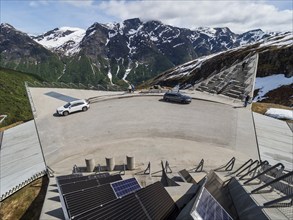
x=280, y=113
x=268, y=83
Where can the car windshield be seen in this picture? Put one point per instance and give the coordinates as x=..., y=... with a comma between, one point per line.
x=67, y=105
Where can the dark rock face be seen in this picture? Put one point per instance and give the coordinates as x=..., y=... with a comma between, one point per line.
x=17, y=45
x=18, y=51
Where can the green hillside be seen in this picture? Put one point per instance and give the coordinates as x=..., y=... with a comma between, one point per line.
x=13, y=98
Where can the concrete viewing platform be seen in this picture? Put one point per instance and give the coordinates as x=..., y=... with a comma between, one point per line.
x=120, y=124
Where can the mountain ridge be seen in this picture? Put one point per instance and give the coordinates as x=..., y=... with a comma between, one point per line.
x=115, y=53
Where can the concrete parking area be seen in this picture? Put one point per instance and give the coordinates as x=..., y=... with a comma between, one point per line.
x=142, y=126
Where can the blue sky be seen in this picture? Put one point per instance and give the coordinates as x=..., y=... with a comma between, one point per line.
x=39, y=16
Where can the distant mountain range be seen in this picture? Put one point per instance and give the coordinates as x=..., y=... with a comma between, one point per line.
x=132, y=50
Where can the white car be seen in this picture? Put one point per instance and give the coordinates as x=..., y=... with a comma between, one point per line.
x=74, y=106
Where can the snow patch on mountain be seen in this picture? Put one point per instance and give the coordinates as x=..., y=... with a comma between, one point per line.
x=110, y=76
x=56, y=39
x=268, y=83
x=207, y=31
x=280, y=41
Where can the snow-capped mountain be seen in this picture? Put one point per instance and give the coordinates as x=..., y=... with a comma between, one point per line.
x=132, y=50
x=134, y=33
x=64, y=40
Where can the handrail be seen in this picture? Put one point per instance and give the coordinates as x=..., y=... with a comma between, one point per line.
x=75, y=85
x=167, y=166
x=272, y=182
x=250, y=160
x=254, y=169
x=270, y=203
x=225, y=183
x=262, y=173
x=199, y=166
x=256, y=161
x=229, y=166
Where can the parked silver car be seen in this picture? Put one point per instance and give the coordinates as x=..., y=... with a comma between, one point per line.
x=74, y=106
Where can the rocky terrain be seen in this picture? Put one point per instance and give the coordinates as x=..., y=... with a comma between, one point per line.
x=113, y=53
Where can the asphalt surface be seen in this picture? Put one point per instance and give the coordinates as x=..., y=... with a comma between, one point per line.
x=144, y=126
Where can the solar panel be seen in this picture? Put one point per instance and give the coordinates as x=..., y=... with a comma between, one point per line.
x=209, y=208
x=124, y=187
x=110, y=179
x=76, y=178
x=157, y=202
x=86, y=199
x=127, y=207
x=73, y=187
x=87, y=182
x=70, y=176
x=152, y=202
x=72, y=180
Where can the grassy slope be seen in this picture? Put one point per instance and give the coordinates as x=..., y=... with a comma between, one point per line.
x=26, y=203
x=261, y=108
x=13, y=98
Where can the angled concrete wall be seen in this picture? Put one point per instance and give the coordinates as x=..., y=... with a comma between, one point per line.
x=275, y=140
x=21, y=159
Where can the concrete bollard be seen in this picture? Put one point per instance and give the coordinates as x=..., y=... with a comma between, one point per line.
x=90, y=165
x=130, y=163
x=110, y=162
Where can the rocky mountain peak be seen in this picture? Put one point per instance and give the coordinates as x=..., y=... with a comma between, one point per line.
x=6, y=26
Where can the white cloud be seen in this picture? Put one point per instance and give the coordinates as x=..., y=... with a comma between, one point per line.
x=76, y=3
x=80, y=3
x=239, y=16
x=38, y=3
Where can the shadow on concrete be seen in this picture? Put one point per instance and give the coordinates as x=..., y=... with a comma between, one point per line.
x=57, y=115
x=54, y=190
x=35, y=209
x=60, y=96
x=98, y=168
x=170, y=102
x=55, y=198
x=57, y=213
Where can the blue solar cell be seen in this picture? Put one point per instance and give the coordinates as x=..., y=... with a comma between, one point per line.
x=208, y=208
x=124, y=187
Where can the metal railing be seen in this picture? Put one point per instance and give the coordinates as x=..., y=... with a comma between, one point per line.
x=264, y=172
x=246, y=166
x=199, y=167
x=253, y=171
x=227, y=167
x=284, y=185
x=75, y=86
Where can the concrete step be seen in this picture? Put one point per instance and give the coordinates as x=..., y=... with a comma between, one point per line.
x=231, y=95
x=235, y=91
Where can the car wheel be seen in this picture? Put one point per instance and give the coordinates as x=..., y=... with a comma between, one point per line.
x=84, y=108
x=65, y=113
x=166, y=99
